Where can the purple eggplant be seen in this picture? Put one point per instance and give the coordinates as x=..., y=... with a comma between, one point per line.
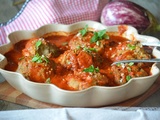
x=126, y=12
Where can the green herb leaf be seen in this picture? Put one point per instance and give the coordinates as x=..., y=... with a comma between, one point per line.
x=91, y=69
x=89, y=50
x=48, y=80
x=128, y=77
x=44, y=58
x=129, y=69
x=105, y=36
x=84, y=30
x=118, y=64
x=38, y=43
x=94, y=38
x=39, y=59
x=78, y=47
x=131, y=47
x=36, y=58
x=99, y=36
x=131, y=63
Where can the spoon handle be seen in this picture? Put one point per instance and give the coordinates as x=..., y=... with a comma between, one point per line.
x=136, y=61
x=155, y=44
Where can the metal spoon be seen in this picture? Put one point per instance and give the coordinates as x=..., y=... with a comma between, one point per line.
x=136, y=61
x=155, y=44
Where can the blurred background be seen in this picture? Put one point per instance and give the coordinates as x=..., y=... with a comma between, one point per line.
x=9, y=8
x=151, y=5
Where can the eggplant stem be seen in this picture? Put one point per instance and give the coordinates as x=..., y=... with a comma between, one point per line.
x=158, y=27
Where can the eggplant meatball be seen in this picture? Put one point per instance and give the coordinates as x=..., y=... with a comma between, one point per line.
x=70, y=60
x=79, y=42
x=36, y=71
x=82, y=80
x=132, y=50
x=124, y=72
x=41, y=47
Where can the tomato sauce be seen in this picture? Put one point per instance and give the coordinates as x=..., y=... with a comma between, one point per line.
x=73, y=62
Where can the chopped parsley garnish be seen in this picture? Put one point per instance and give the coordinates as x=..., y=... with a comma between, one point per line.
x=78, y=47
x=131, y=63
x=48, y=80
x=129, y=69
x=128, y=77
x=84, y=30
x=99, y=36
x=39, y=59
x=91, y=69
x=89, y=50
x=45, y=59
x=38, y=43
x=118, y=64
x=131, y=47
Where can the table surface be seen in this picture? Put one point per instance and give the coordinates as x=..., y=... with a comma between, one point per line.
x=152, y=102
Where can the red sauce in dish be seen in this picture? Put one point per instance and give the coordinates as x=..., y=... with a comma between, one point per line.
x=73, y=61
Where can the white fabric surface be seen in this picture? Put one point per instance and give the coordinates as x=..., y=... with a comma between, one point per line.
x=79, y=114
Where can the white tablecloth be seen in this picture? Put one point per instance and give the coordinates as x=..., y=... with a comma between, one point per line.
x=80, y=114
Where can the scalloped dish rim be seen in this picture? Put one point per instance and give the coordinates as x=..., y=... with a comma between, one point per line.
x=86, y=94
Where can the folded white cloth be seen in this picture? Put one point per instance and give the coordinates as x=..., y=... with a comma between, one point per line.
x=79, y=114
